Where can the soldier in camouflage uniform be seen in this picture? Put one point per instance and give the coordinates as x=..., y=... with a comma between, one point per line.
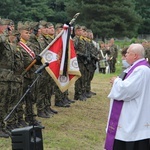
x=17, y=118
x=114, y=55
x=51, y=84
x=6, y=74
x=93, y=48
x=40, y=95
x=79, y=44
x=88, y=65
x=45, y=37
x=28, y=56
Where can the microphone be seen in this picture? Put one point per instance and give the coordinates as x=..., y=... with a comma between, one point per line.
x=40, y=69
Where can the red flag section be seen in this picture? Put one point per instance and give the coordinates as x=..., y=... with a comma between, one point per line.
x=54, y=54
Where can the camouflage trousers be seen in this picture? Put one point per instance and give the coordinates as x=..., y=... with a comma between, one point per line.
x=4, y=99
x=90, y=75
x=58, y=94
x=44, y=91
x=29, y=99
x=16, y=89
x=80, y=84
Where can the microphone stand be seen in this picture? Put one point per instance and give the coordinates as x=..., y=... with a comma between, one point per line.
x=38, y=72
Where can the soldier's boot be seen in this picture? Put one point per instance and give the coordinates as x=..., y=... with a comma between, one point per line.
x=54, y=111
x=87, y=94
x=80, y=97
x=93, y=93
x=3, y=133
x=69, y=100
x=61, y=103
x=10, y=127
x=22, y=123
x=32, y=121
x=50, y=114
x=42, y=114
x=50, y=110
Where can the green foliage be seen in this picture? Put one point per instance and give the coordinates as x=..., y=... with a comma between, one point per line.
x=108, y=19
x=111, y=18
x=142, y=7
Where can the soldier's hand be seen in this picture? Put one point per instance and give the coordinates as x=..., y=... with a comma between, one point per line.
x=38, y=60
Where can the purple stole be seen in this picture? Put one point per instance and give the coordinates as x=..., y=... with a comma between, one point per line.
x=115, y=113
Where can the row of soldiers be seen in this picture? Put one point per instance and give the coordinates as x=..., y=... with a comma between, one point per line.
x=19, y=48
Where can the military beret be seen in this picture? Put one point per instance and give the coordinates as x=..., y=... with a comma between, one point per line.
x=58, y=25
x=49, y=24
x=84, y=28
x=33, y=25
x=23, y=26
x=43, y=23
x=77, y=26
x=6, y=22
x=101, y=42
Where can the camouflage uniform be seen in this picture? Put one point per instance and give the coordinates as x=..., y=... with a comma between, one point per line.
x=88, y=68
x=91, y=66
x=16, y=87
x=44, y=94
x=114, y=55
x=39, y=90
x=79, y=44
x=29, y=76
x=6, y=78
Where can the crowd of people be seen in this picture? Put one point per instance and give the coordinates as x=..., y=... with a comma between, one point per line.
x=21, y=45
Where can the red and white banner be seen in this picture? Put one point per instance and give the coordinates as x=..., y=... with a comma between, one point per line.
x=54, y=54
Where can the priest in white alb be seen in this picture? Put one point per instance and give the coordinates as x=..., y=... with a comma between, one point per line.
x=128, y=126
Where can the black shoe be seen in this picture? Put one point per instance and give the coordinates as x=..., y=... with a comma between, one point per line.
x=29, y=119
x=93, y=93
x=36, y=123
x=70, y=101
x=62, y=104
x=50, y=110
x=54, y=111
x=22, y=123
x=80, y=97
x=10, y=127
x=3, y=134
x=87, y=94
x=48, y=113
x=42, y=114
x=66, y=101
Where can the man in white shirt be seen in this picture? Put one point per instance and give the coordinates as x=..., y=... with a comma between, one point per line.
x=131, y=128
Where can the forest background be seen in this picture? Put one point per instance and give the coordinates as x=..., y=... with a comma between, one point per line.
x=106, y=18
